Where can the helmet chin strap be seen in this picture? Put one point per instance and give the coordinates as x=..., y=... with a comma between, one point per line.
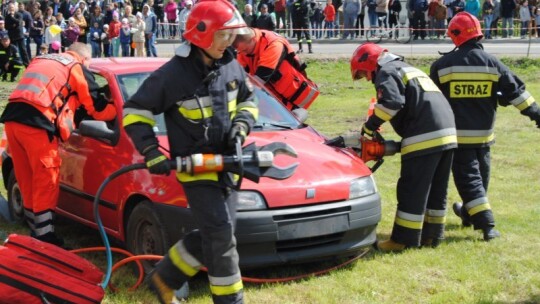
x=208, y=56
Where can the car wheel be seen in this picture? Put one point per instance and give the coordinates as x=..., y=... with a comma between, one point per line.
x=15, y=202
x=146, y=234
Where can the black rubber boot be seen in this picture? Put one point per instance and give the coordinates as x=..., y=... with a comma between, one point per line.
x=461, y=211
x=310, y=50
x=300, y=49
x=490, y=233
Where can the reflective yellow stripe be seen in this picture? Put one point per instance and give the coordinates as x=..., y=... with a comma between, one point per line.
x=525, y=104
x=479, y=208
x=469, y=76
x=196, y=113
x=411, y=75
x=408, y=224
x=177, y=260
x=185, y=177
x=475, y=139
x=435, y=219
x=226, y=290
x=156, y=160
x=134, y=118
x=429, y=144
x=253, y=111
x=382, y=115
x=367, y=131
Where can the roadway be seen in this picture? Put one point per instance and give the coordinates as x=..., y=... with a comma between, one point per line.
x=345, y=48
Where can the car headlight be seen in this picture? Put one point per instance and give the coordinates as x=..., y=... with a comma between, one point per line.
x=363, y=186
x=250, y=200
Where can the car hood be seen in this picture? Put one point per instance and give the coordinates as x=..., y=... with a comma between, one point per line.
x=323, y=174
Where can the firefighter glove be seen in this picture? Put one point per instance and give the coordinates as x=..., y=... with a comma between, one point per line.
x=239, y=129
x=157, y=163
x=366, y=132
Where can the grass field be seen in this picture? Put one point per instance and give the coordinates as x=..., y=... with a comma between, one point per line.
x=463, y=269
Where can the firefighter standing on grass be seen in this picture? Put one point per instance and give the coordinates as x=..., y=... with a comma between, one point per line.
x=475, y=82
x=420, y=114
x=208, y=105
x=40, y=112
x=271, y=58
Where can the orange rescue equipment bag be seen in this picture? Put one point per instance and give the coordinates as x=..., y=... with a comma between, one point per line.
x=35, y=272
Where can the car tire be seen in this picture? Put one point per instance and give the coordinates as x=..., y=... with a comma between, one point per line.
x=145, y=234
x=15, y=202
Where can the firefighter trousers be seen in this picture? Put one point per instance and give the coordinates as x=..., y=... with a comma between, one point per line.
x=212, y=245
x=421, y=194
x=471, y=170
x=37, y=167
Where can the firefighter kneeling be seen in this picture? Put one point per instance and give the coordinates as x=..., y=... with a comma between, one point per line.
x=10, y=63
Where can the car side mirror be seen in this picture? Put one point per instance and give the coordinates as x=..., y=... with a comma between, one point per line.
x=301, y=114
x=98, y=130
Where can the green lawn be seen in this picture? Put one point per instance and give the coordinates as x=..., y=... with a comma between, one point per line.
x=463, y=269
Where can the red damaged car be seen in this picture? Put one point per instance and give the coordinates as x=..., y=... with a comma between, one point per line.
x=329, y=208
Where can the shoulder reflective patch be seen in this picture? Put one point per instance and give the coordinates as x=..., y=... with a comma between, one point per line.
x=57, y=57
x=427, y=84
x=468, y=89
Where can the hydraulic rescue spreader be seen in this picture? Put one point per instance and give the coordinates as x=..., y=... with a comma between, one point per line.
x=374, y=148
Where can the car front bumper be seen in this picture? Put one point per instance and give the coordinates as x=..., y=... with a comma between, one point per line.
x=293, y=235
x=302, y=234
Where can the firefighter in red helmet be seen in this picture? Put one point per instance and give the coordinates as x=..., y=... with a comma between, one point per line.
x=420, y=114
x=38, y=115
x=208, y=105
x=475, y=82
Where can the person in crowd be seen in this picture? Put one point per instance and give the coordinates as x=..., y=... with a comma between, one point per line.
x=329, y=19
x=440, y=18
x=418, y=9
x=138, y=35
x=524, y=18
x=150, y=31
x=507, y=14
x=494, y=28
x=265, y=20
x=80, y=21
x=351, y=9
x=248, y=15
x=14, y=26
x=114, y=34
x=280, y=7
x=182, y=18
x=300, y=17
x=394, y=8
x=487, y=15
x=71, y=33
x=105, y=39
x=95, y=40
x=170, y=12
x=125, y=37
x=36, y=30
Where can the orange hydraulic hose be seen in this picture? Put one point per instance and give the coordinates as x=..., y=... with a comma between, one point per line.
x=138, y=258
x=245, y=279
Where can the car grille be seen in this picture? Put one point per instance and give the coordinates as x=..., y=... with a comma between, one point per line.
x=307, y=215
x=307, y=243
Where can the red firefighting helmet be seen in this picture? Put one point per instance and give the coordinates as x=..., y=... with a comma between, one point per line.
x=210, y=16
x=364, y=59
x=464, y=27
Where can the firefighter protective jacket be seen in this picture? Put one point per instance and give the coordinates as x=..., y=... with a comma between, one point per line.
x=274, y=61
x=50, y=91
x=9, y=55
x=415, y=107
x=199, y=103
x=475, y=82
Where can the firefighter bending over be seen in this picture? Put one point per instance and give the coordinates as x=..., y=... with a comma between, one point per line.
x=208, y=103
x=39, y=113
x=475, y=82
x=420, y=114
x=271, y=58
